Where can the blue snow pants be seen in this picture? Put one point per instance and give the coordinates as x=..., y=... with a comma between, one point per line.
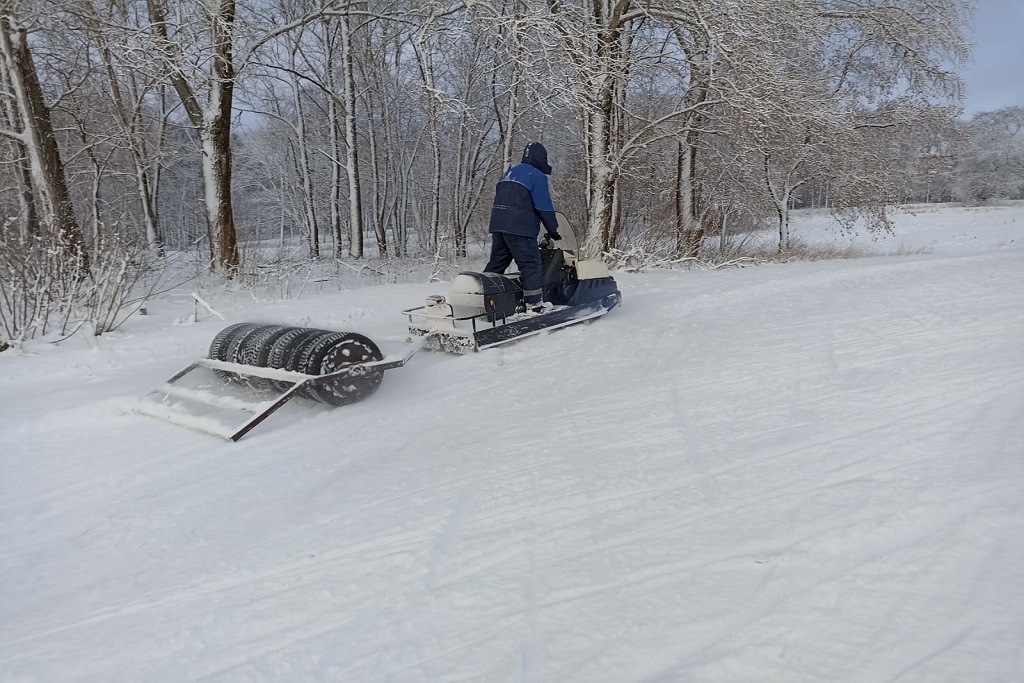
x=504, y=248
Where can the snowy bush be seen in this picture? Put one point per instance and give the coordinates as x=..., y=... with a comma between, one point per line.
x=47, y=288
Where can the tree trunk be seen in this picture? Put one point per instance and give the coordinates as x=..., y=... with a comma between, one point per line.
x=213, y=123
x=334, y=143
x=128, y=115
x=153, y=187
x=147, y=194
x=601, y=102
x=689, y=232
x=95, y=199
x=377, y=203
x=216, y=145
x=510, y=125
x=355, y=195
x=302, y=161
x=29, y=223
x=426, y=64
x=782, y=181
x=783, y=214
x=780, y=200
x=602, y=178
x=47, y=168
x=218, y=177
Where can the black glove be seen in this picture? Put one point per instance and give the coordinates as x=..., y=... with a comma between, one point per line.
x=554, y=236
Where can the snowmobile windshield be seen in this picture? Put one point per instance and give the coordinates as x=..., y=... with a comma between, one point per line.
x=569, y=239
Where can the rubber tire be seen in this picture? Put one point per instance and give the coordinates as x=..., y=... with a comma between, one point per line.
x=350, y=349
x=256, y=349
x=220, y=347
x=306, y=361
x=234, y=353
x=278, y=350
x=301, y=349
x=286, y=348
x=294, y=361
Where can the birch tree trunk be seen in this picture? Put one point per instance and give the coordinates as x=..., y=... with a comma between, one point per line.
x=29, y=223
x=355, y=195
x=425, y=60
x=333, y=139
x=689, y=232
x=781, y=183
x=302, y=159
x=603, y=168
x=509, y=124
x=689, y=227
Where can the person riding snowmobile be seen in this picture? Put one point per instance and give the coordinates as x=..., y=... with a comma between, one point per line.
x=522, y=202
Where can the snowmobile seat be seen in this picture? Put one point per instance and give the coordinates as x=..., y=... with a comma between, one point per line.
x=485, y=294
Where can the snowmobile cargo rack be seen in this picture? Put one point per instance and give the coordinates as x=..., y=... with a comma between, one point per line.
x=488, y=329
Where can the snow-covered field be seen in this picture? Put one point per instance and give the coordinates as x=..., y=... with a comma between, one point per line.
x=792, y=472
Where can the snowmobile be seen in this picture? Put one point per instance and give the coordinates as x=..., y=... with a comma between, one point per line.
x=278, y=363
x=486, y=309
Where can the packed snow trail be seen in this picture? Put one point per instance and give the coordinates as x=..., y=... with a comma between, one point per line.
x=799, y=472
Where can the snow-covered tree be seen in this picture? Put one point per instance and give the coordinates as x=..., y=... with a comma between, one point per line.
x=31, y=129
x=393, y=118
x=110, y=34
x=202, y=47
x=197, y=54
x=991, y=165
x=830, y=103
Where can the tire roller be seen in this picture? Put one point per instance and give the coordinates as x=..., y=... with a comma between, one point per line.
x=300, y=349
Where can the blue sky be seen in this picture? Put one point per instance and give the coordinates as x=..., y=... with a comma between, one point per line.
x=995, y=76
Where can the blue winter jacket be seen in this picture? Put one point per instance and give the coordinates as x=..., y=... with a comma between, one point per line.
x=522, y=200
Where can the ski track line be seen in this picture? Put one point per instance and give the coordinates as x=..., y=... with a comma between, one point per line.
x=213, y=470
x=760, y=548
x=194, y=594
x=487, y=635
x=796, y=490
x=285, y=638
x=666, y=574
x=761, y=459
x=438, y=488
x=373, y=549
x=358, y=552
x=571, y=499
x=647, y=578
x=376, y=504
x=952, y=635
x=370, y=660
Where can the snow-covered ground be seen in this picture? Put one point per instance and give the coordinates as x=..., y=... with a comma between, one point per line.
x=796, y=472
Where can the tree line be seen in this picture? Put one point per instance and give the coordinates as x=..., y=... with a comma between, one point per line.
x=377, y=127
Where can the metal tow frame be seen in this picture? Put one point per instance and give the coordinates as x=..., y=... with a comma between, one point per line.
x=267, y=408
